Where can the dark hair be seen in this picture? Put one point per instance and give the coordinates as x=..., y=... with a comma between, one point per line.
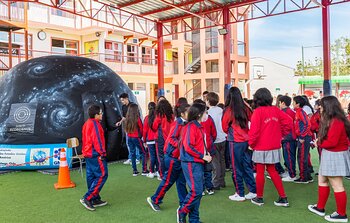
x=164, y=109
x=262, y=97
x=300, y=100
x=160, y=97
x=307, y=102
x=250, y=103
x=124, y=95
x=182, y=100
x=213, y=98
x=221, y=105
x=235, y=102
x=278, y=98
x=318, y=102
x=286, y=100
x=151, y=113
x=182, y=108
x=132, y=117
x=205, y=92
x=94, y=110
x=199, y=101
x=196, y=111
x=349, y=108
x=331, y=109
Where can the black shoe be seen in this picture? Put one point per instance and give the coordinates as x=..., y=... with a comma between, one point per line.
x=301, y=181
x=181, y=218
x=153, y=205
x=335, y=217
x=87, y=204
x=99, y=203
x=347, y=177
x=310, y=179
x=257, y=201
x=316, y=210
x=210, y=191
x=282, y=202
x=316, y=174
x=135, y=173
x=144, y=173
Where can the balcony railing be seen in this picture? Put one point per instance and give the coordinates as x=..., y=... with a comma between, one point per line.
x=13, y=11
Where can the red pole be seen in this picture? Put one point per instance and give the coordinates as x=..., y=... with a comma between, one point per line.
x=227, y=53
x=10, y=48
x=160, y=63
x=327, y=83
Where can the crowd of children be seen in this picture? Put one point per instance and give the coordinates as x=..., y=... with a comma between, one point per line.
x=193, y=145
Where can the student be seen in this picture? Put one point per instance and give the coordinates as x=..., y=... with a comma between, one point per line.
x=333, y=138
x=173, y=167
x=94, y=152
x=219, y=144
x=348, y=115
x=268, y=125
x=149, y=137
x=235, y=124
x=210, y=132
x=133, y=128
x=309, y=110
x=315, y=125
x=289, y=146
x=204, y=94
x=302, y=127
x=193, y=155
x=164, y=118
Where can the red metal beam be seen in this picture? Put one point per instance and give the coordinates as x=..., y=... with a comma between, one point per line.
x=185, y=3
x=129, y=3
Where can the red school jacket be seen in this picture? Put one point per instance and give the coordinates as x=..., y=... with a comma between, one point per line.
x=93, y=142
x=302, y=124
x=268, y=125
x=148, y=133
x=210, y=132
x=138, y=131
x=171, y=146
x=336, y=140
x=291, y=114
x=315, y=122
x=161, y=126
x=234, y=131
x=192, y=148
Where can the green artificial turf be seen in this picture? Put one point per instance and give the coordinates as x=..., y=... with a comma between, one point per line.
x=30, y=197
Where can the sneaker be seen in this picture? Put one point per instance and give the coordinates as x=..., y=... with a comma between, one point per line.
x=203, y=193
x=285, y=174
x=87, y=204
x=99, y=203
x=150, y=175
x=289, y=179
x=254, y=174
x=301, y=181
x=335, y=217
x=310, y=180
x=268, y=177
x=210, y=191
x=145, y=173
x=154, y=206
x=127, y=162
x=156, y=174
x=347, y=177
x=181, y=218
x=258, y=201
x=314, y=209
x=281, y=202
x=316, y=174
x=236, y=197
x=250, y=196
x=137, y=162
x=135, y=173
x=159, y=178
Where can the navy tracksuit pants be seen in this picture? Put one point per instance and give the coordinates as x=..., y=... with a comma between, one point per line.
x=194, y=178
x=153, y=158
x=96, y=176
x=171, y=175
x=242, y=169
x=134, y=145
x=289, y=149
x=160, y=153
x=303, y=155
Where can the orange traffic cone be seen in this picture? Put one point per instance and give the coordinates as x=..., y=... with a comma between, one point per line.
x=63, y=173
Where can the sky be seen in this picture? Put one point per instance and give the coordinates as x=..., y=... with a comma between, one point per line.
x=280, y=38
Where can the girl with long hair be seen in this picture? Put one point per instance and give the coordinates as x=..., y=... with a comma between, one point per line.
x=333, y=138
x=235, y=123
x=133, y=128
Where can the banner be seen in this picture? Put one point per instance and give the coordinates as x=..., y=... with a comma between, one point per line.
x=32, y=157
x=91, y=47
x=21, y=120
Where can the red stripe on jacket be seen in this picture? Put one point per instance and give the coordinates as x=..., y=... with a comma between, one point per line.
x=210, y=132
x=315, y=122
x=291, y=114
x=302, y=124
x=137, y=133
x=192, y=149
x=171, y=146
x=90, y=139
x=148, y=133
x=162, y=124
x=337, y=139
x=268, y=125
x=234, y=131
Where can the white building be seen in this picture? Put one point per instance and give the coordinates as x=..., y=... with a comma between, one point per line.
x=278, y=78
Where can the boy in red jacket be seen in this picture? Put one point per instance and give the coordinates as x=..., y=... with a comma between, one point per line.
x=94, y=151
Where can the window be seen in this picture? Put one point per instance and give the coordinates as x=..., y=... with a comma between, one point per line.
x=241, y=67
x=17, y=43
x=61, y=46
x=132, y=53
x=212, y=66
x=155, y=56
x=140, y=86
x=211, y=39
x=212, y=85
x=65, y=5
x=131, y=86
x=146, y=55
x=114, y=51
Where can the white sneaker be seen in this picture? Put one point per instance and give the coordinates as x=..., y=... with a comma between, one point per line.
x=150, y=175
x=156, y=174
x=289, y=179
x=254, y=175
x=268, y=177
x=250, y=196
x=127, y=162
x=137, y=162
x=284, y=175
x=236, y=197
x=159, y=178
x=203, y=193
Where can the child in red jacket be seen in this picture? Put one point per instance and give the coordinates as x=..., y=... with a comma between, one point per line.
x=333, y=138
x=268, y=125
x=235, y=123
x=315, y=125
x=133, y=128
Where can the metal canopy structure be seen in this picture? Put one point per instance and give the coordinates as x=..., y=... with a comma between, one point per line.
x=155, y=19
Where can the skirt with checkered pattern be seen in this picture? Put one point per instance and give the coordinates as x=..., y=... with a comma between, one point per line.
x=335, y=163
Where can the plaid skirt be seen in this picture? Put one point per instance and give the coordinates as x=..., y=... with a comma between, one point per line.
x=267, y=157
x=335, y=164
